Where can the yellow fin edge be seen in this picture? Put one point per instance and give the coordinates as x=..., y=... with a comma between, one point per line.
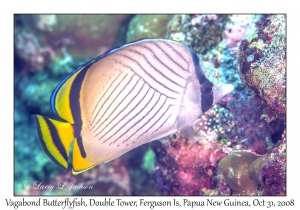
x=62, y=100
x=80, y=164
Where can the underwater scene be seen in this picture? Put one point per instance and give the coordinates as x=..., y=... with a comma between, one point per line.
x=183, y=104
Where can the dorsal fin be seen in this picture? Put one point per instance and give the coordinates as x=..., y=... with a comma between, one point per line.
x=60, y=101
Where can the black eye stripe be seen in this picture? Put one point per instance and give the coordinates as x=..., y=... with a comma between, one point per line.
x=207, y=96
x=206, y=88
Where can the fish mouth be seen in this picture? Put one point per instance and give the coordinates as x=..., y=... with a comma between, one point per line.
x=221, y=91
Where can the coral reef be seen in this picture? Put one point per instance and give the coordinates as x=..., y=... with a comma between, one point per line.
x=200, y=32
x=215, y=39
x=148, y=26
x=45, y=39
x=262, y=63
x=234, y=168
x=35, y=57
x=142, y=162
x=245, y=132
x=233, y=122
x=249, y=174
x=83, y=35
x=246, y=129
x=241, y=121
x=270, y=172
x=237, y=28
x=273, y=176
x=186, y=167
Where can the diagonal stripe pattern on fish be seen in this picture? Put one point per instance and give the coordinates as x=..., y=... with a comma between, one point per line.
x=129, y=96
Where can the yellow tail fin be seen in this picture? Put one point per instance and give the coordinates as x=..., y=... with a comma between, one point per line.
x=56, y=138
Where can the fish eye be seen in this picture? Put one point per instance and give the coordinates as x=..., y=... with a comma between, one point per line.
x=206, y=89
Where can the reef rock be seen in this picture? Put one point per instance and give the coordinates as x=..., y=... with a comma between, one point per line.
x=249, y=174
x=187, y=167
x=235, y=170
x=148, y=26
x=82, y=36
x=262, y=63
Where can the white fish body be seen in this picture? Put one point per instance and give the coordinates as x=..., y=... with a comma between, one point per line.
x=134, y=94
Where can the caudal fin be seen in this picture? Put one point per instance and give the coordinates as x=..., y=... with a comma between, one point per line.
x=56, y=138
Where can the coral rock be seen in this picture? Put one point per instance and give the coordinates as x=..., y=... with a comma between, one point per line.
x=82, y=35
x=243, y=126
x=234, y=168
x=200, y=32
x=270, y=172
x=148, y=26
x=187, y=167
x=249, y=174
x=262, y=63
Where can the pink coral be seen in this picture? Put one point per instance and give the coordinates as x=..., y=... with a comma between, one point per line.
x=273, y=175
x=190, y=165
x=233, y=36
x=239, y=27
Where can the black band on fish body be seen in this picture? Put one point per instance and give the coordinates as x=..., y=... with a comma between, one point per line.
x=81, y=148
x=207, y=97
x=198, y=69
x=75, y=106
x=206, y=86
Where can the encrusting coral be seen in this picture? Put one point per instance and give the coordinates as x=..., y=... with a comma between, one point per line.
x=200, y=32
x=246, y=128
x=262, y=63
x=186, y=167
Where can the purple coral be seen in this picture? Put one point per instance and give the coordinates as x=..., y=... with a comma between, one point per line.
x=245, y=127
x=273, y=177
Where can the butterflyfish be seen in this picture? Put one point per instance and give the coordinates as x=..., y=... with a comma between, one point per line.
x=127, y=97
